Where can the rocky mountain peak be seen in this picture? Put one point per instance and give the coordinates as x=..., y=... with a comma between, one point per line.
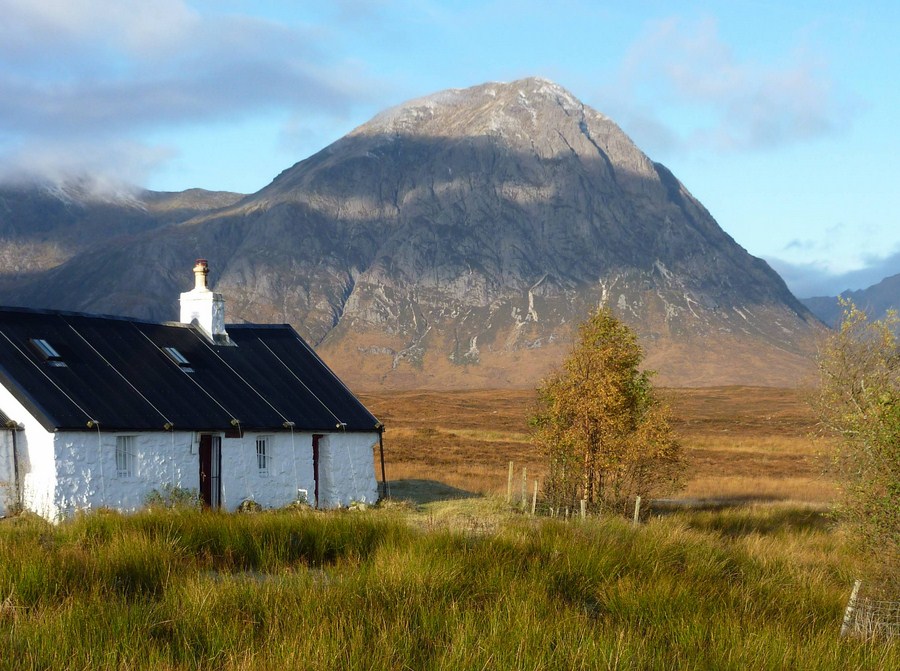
x=489, y=109
x=455, y=240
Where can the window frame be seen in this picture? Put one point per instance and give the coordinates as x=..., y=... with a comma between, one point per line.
x=264, y=455
x=126, y=456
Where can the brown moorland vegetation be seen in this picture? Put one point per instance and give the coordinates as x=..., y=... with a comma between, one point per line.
x=742, y=443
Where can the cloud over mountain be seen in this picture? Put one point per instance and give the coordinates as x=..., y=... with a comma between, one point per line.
x=734, y=104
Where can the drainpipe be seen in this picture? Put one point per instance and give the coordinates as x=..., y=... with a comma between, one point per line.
x=385, y=487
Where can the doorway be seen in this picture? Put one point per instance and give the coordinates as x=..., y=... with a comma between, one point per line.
x=315, y=455
x=210, y=470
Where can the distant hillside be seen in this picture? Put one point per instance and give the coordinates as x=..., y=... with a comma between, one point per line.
x=44, y=225
x=876, y=300
x=455, y=241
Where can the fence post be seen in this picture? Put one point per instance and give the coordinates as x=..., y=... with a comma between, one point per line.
x=583, y=508
x=524, y=487
x=637, y=511
x=851, y=607
x=534, y=499
x=509, y=484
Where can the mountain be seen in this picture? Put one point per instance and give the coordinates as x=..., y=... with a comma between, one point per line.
x=455, y=241
x=44, y=224
x=876, y=300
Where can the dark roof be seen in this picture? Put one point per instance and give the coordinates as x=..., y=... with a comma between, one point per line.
x=6, y=422
x=114, y=372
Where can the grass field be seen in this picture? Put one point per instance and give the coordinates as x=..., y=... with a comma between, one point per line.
x=448, y=576
x=402, y=588
x=742, y=443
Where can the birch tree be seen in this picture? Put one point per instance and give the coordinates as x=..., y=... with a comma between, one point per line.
x=859, y=403
x=604, y=431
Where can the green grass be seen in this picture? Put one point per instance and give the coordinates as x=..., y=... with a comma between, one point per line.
x=753, y=588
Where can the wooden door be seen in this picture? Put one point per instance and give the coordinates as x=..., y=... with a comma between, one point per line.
x=210, y=470
x=315, y=455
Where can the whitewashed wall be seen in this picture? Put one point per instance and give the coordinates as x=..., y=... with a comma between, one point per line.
x=290, y=470
x=37, y=468
x=86, y=469
x=347, y=469
x=7, y=473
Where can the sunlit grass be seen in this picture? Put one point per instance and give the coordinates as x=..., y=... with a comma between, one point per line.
x=456, y=585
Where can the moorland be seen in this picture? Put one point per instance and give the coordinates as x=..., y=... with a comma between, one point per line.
x=448, y=575
x=743, y=444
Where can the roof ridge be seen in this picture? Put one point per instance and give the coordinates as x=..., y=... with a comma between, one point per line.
x=74, y=313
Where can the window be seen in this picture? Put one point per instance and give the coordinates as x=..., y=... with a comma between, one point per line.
x=263, y=454
x=125, y=457
x=47, y=352
x=178, y=358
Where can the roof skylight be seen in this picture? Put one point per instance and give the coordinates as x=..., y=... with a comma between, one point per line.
x=178, y=358
x=47, y=352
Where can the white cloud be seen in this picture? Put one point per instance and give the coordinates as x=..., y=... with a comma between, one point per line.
x=113, y=162
x=40, y=28
x=724, y=103
x=103, y=73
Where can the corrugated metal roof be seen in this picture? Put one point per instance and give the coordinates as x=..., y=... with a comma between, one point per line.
x=117, y=375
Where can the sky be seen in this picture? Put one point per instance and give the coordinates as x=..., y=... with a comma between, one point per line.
x=780, y=117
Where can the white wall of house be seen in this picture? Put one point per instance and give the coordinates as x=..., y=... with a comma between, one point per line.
x=84, y=473
x=288, y=470
x=37, y=469
x=347, y=469
x=88, y=477
x=7, y=473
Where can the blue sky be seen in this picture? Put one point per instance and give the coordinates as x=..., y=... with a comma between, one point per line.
x=780, y=117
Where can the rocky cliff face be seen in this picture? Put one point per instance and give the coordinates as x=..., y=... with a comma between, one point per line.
x=456, y=240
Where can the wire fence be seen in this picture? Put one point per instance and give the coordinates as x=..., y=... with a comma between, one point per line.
x=871, y=617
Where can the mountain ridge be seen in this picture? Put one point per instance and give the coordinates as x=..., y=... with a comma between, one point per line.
x=457, y=239
x=876, y=300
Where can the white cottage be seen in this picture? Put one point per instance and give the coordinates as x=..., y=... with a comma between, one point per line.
x=99, y=411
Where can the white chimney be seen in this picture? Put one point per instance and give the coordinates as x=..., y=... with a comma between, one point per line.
x=204, y=307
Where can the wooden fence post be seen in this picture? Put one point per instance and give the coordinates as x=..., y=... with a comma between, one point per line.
x=524, y=487
x=637, y=511
x=534, y=499
x=851, y=607
x=583, y=508
x=509, y=484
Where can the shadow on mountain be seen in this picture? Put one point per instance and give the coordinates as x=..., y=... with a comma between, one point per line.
x=426, y=491
x=438, y=207
x=448, y=224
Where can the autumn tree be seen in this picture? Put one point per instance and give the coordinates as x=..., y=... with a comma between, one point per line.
x=605, y=432
x=859, y=403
